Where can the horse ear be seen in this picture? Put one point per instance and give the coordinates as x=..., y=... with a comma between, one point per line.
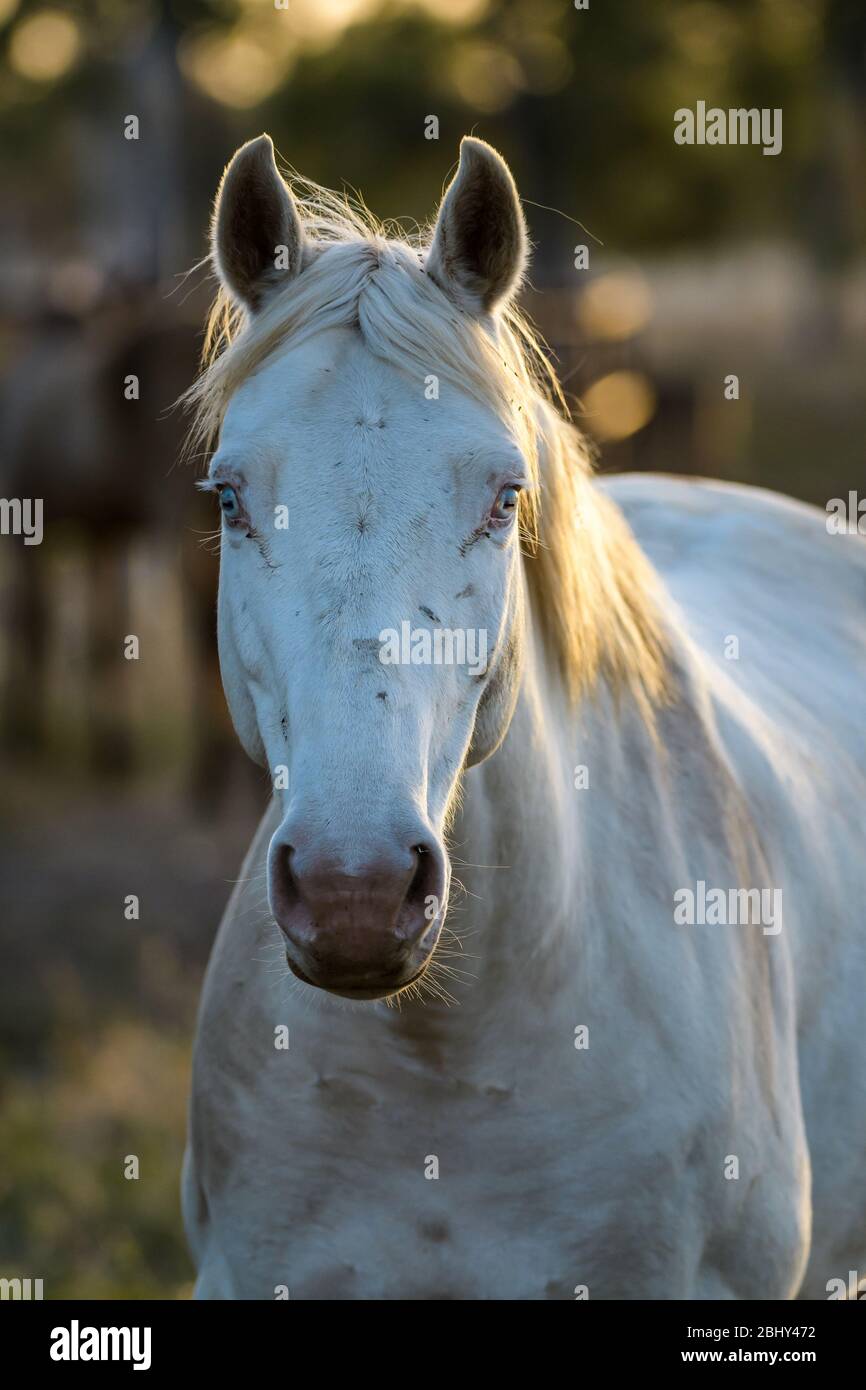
x=257, y=240
x=479, y=249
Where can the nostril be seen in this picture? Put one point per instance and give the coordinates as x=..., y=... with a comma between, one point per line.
x=424, y=898
x=283, y=886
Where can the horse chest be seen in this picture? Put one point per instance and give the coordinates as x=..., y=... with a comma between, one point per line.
x=424, y=1205
x=456, y=1191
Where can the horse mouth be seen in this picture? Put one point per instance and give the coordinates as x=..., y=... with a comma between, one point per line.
x=345, y=990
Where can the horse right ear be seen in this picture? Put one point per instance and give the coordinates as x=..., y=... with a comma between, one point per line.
x=257, y=241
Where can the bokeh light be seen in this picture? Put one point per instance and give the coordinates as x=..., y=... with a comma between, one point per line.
x=486, y=76
x=44, y=46
x=618, y=405
x=615, y=306
x=235, y=67
x=454, y=11
x=319, y=24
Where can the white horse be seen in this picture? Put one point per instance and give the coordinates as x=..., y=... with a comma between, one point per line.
x=631, y=1064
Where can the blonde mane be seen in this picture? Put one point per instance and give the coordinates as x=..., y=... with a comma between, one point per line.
x=590, y=586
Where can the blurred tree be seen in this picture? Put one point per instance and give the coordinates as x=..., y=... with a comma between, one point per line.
x=581, y=101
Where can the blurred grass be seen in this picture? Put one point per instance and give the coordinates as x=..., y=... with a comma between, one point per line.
x=68, y=1215
x=97, y=1017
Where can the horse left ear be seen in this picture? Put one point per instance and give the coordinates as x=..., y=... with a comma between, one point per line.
x=257, y=240
x=479, y=249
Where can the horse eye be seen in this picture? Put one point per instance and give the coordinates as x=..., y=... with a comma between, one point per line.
x=506, y=504
x=229, y=502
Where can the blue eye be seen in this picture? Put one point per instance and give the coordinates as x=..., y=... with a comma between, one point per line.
x=229, y=503
x=505, y=505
